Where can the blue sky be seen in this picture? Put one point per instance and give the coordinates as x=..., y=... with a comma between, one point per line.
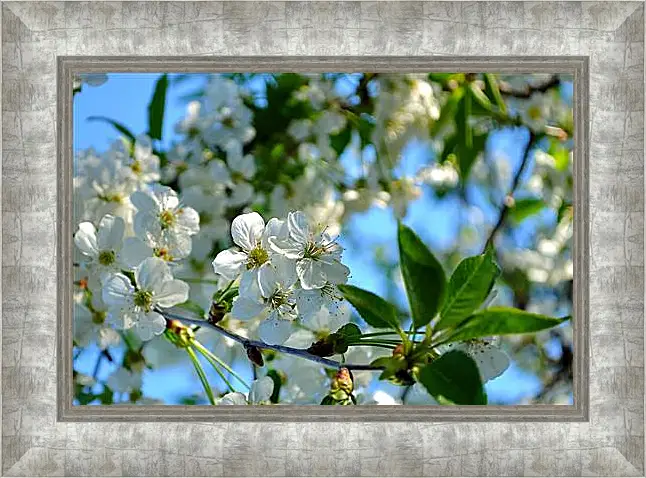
x=125, y=98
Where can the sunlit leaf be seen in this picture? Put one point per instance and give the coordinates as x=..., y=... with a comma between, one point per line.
x=454, y=376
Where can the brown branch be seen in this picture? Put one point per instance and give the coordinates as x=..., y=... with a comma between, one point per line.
x=504, y=210
x=245, y=342
x=529, y=90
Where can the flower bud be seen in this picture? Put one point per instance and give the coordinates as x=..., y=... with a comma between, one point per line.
x=254, y=355
x=342, y=381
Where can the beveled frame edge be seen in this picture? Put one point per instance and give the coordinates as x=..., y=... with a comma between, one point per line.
x=67, y=66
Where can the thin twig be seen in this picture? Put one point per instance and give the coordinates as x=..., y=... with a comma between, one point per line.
x=529, y=90
x=504, y=210
x=262, y=345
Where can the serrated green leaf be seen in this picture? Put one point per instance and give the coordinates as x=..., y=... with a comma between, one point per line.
x=423, y=276
x=376, y=311
x=156, y=108
x=524, y=208
x=116, y=125
x=503, y=321
x=454, y=376
x=468, y=287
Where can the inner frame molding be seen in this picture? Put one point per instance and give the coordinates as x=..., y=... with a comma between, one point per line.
x=577, y=66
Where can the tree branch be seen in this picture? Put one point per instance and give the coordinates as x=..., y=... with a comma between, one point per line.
x=529, y=90
x=302, y=353
x=504, y=210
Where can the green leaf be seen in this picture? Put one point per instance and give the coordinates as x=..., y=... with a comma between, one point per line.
x=193, y=307
x=349, y=333
x=423, y=276
x=447, y=113
x=482, y=103
x=118, y=126
x=340, y=141
x=503, y=321
x=493, y=92
x=156, y=108
x=376, y=311
x=524, y=208
x=454, y=376
x=468, y=287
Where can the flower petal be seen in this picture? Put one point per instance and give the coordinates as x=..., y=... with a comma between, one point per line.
x=133, y=252
x=152, y=273
x=233, y=398
x=149, y=325
x=188, y=221
x=311, y=274
x=229, y=263
x=335, y=272
x=245, y=308
x=275, y=331
x=110, y=234
x=268, y=280
x=299, y=228
x=171, y=293
x=246, y=230
x=145, y=202
x=85, y=239
x=117, y=291
x=261, y=390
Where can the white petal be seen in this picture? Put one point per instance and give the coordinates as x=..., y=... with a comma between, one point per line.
x=247, y=229
x=229, y=263
x=145, y=202
x=285, y=269
x=152, y=273
x=85, y=239
x=261, y=390
x=133, y=252
x=309, y=302
x=311, y=274
x=172, y=292
x=275, y=331
x=335, y=272
x=275, y=228
x=110, y=234
x=491, y=361
x=149, y=325
x=117, y=291
x=241, y=194
x=299, y=227
x=268, y=280
x=233, y=398
x=249, y=286
x=143, y=147
x=188, y=221
x=219, y=171
x=245, y=308
x=108, y=338
x=146, y=225
x=288, y=248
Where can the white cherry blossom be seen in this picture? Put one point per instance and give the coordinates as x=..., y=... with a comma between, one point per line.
x=135, y=305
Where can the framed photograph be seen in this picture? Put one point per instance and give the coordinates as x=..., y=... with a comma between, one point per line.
x=419, y=243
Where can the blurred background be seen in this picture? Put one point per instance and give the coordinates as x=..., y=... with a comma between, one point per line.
x=453, y=214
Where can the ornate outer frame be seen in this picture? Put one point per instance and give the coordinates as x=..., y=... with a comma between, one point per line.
x=611, y=443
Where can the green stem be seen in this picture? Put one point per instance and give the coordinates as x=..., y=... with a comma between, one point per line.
x=378, y=334
x=192, y=280
x=383, y=346
x=220, y=373
x=200, y=373
x=208, y=354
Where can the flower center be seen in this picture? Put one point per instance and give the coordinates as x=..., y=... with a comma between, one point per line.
x=107, y=257
x=143, y=299
x=257, y=257
x=313, y=250
x=534, y=112
x=136, y=167
x=279, y=298
x=113, y=197
x=98, y=317
x=166, y=219
x=163, y=253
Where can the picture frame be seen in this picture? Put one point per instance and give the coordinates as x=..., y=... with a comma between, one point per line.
x=51, y=39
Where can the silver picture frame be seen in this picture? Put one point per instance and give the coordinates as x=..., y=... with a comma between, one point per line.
x=46, y=42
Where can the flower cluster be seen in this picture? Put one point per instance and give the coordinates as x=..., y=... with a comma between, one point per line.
x=287, y=269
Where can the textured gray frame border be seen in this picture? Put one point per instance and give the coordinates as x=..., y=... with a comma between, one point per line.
x=610, y=443
x=70, y=66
